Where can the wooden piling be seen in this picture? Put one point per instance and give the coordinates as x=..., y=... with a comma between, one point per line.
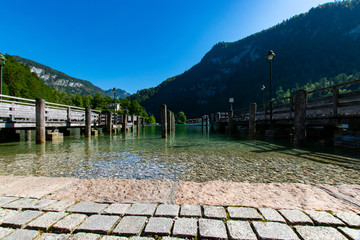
x=143, y=122
x=335, y=101
x=300, y=117
x=27, y=135
x=252, y=120
x=202, y=122
x=168, y=116
x=124, y=122
x=137, y=123
x=212, y=121
x=132, y=123
x=109, y=122
x=87, y=122
x=231, y=123
x=40, y=120
x=172, y=122
x=68, y=115
x=207, y=122
x=163, y=112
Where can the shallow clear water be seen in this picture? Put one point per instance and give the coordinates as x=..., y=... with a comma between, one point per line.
x=189, y=154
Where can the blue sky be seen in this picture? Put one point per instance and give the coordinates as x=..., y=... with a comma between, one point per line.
x=132, y=44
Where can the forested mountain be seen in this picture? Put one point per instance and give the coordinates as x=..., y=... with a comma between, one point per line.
x=60, y=80
x=321, y=44
x=120, y=94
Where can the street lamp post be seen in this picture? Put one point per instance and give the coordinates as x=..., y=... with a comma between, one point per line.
x=231, y=101
x=262, y=94
x=114, y=90
x=270, y=57
x=2, y=63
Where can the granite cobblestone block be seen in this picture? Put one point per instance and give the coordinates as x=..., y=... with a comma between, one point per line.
x=350, y=218
x=87, y=207
x=211, y=228
x=86, y=236
x=38, y=204
x=130, y=225
x=167, y=210
x=22, y=203
x=5, y=200
x=240, y=230
x=116, y=209
x=22, y=234
x=58, y=206
x=5, y=231
x=324, y=218
x=244, y=213
x=274, y=230
x=350, y=232
x=159, y=226
x=319, y=232
x=113, y=238
x=6, y=213
x=22, y=218
x=190, y=211
x=142, y=209
x=215, y=212
x=98, y=224
x=294, y=216
x=53, y=236
x=45, y=221
x=69, y=223
x=185, y=227
x=271, y=215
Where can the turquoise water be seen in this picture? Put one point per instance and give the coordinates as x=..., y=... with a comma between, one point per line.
x=188, y=154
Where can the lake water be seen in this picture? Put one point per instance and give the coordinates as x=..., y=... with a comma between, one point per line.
x=189, y=154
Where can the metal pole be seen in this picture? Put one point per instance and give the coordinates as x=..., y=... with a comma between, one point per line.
x=271, y=109
x=1, y=85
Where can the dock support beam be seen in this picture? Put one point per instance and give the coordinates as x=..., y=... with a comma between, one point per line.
x=132, y=123
x=40, y=120
x=125, y=119
x=172, y=122
x=168, y=121
x=163, y=112
x=87, y=122
x=138, y=119
x=27, y=135
x=252, y=120
x=143, y=122
x=109, y=122
x=300, y=117
x=231, y=123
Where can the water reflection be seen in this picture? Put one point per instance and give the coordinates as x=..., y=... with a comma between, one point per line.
x=187, y=154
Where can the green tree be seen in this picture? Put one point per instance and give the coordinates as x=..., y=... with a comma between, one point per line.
x=151, y=120
x=180, y=118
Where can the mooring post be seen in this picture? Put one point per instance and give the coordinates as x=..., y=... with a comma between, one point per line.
x=168, y=116
x=125, y=119
x=212, y=121
x=300, y=117
x=335, y=101
x=172, y=122
x=202, y=122
x=132, y=123
x=163, y=120
x=109, y=122
x=137, y=123
x=68, y=115
x=252, y=120
x=40, y=120
x=231, y=123
x=87, y=122
x=27, y=135
x=207, y=122
x=143, y=122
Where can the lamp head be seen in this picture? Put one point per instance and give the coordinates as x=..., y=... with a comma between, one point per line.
x=270, y=55
x=2, y=59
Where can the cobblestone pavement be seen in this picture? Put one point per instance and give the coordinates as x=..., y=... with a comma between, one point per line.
x=31, y=218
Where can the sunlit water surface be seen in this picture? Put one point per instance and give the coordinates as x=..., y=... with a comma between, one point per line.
x=189, y=154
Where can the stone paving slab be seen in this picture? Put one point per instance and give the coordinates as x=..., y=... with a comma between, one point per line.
x=159, y=226
x=215, y=212
x=319, y=232
x=244, y=213
x=167, y=210
x=58, y=206
x=294, y=216
x=274, y=230
x=98, y=224
x=271, y=215
x=38, y=204
x=21, y=203
x=5, y=200
x=45, y=221
x=21, y=218
x=239, y=230
x=130, y=225
x=113, y=238
x=117, y=209
x=142, y=209
x=53, y=236
x=22, y=234
x=350, y=232
x=86, y=236
x=69, y=223
x=350, y=218
x=5, y=231
x=87, y=207
x=190, y=210
x=6, y=213
x=142, y=238
x=185, y=227
x=210, y=228
x=324, y=218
